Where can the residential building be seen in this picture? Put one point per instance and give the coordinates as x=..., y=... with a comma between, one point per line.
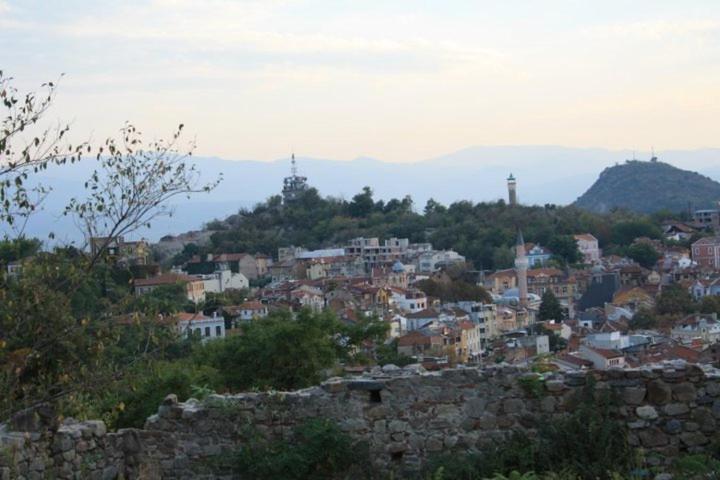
x=247, y=311
x=537, y=255
x=602, y=359
x=235, y=262
x=200, y=326
x=706, y=252
x=222, y=280
x=434, y=260
x=194, y=287
x=420, y=342
x=410, y=300
x=709, y=218
x=117, y=250
x=562, y=286
x=697, y=326
x=589, y=248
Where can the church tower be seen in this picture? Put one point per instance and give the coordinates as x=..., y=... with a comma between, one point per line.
x=521, y=267
x=512, y=190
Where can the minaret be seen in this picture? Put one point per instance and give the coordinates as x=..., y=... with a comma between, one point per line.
x=512, y=190
x=521, y=266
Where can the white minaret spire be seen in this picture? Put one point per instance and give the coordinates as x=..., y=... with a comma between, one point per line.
x=521, y=266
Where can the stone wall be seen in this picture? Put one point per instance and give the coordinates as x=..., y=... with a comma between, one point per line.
x=404, y=416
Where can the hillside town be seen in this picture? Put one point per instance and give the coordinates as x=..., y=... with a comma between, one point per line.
x=590, y=314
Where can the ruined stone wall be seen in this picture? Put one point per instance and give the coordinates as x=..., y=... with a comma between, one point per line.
x=405, y=417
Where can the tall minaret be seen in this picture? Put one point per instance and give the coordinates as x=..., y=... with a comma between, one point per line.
x=512, y=190
x=521, y=266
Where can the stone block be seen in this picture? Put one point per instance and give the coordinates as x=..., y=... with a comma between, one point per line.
x=652, y=437
x=684, y=392
x=693, y=439
x=513, y=405
x=633, y=395
x=673, y=426
x=646, y=412
x=658, y=392
x=674, y=409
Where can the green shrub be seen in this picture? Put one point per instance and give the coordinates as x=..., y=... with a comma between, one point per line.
x=317, y=450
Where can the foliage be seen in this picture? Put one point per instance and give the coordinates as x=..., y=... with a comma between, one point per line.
x=644, y=254
x=589, y=444
x=448, y=290
x=388, y=353
x=317, y=450
x=26, y=148
x=696, y=466
x=484, y=232
x=643, y=319
x=550, y=308
x=675, y=300
x=275, y=352
x=649, y=187
x=532, y=385
x=565, y=247
x=19, y=248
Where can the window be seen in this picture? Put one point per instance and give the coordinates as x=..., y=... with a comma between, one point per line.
x=207, y=331
x=218, y=331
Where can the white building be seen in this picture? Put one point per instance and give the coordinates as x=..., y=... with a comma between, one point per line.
x=222, y=280
x=602, y=359
x=705, y=327
x=201, y=326
x=433, y=260
x=411, y=301
x=589, y=247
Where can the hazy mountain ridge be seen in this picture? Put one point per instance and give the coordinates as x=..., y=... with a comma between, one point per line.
x=648, y=187
x=546, y=174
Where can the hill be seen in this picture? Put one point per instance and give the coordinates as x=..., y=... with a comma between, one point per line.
x=648, y=187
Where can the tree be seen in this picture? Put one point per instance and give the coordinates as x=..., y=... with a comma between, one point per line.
x=644, y=254
x=643, y=319
x=565, y=248
x=133, y=185
x=362, y=203
x=27, y=148
x=550, y=308
x=275, y=352
x=674, y=300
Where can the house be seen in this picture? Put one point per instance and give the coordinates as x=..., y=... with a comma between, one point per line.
x=697, y=326
x=308, y=296
x=434, y=260
x=677, y=231
x=247, y=311
x=572, y=361
x=422, y=319
x=200, y=326
x=420, y=342
x=194, y=287
x=602, y=359
x=501, y=280
x=410, y=300
x=589, y=248
x=537, y=255
x=221, y=280
x=706, y=252
x=121, y=252
x=562, y=286
x=236, y=262
x=485, y=316
x=470, y=341
x=634, y=298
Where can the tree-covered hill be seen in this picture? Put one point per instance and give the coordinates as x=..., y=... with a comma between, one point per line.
x=649, y=187
x=483, y=232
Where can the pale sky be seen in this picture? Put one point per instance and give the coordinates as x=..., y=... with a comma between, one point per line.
x=398, y=80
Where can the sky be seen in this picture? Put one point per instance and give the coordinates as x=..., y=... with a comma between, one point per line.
x=400, y=80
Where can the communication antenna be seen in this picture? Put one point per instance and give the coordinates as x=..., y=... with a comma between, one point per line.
x=293, y=169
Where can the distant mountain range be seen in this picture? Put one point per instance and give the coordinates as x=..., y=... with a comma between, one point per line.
x=648, y=187
x=546, y=174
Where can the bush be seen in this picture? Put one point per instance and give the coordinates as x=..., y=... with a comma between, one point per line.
x=587, y=445
x=317, y=450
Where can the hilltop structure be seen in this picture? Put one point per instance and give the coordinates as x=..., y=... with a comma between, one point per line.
x=294, y=185
x=512, y=190
x=521, y=265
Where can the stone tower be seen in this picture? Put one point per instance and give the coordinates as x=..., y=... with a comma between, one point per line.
x=512, y=190
x=521, y=266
